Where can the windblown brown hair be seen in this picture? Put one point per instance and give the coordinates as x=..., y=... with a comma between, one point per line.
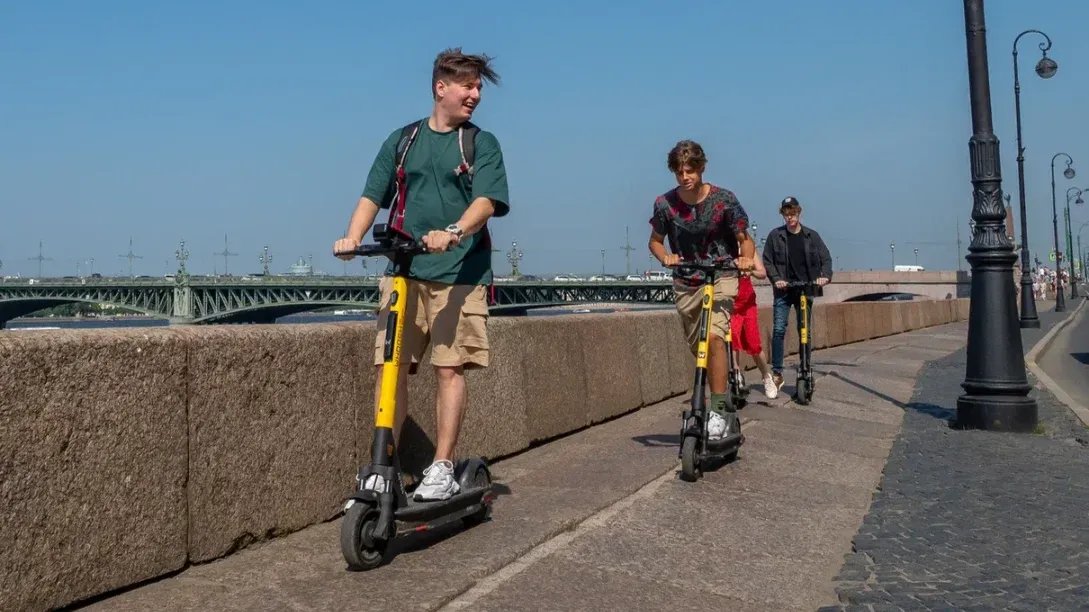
x=454, y=66
x=687, y=153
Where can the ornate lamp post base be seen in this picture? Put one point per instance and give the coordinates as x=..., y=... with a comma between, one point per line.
x=996, y=413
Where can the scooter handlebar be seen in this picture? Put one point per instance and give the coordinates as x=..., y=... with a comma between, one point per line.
x=392, y=249
x=809, y=288
x=389, y=244
x=706, y=265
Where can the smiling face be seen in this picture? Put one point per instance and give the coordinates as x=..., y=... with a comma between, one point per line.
x=458, y=99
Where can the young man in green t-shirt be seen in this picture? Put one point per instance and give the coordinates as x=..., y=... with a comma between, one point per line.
x=446, y=204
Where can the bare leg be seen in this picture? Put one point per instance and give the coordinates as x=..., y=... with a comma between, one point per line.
x=716, y=365
x=449, y=408
x=762, y=365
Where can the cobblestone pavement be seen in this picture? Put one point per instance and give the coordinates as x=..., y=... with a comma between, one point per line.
x=972, y=520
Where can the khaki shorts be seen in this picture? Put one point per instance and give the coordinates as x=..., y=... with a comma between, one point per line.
x=688, y=305
x=452, y=318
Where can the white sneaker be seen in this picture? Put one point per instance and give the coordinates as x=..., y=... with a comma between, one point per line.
x=771, y=390
x=716, y=426
x=438, y=483
x=374, y=483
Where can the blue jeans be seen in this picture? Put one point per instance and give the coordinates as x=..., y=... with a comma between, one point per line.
x=780, y=310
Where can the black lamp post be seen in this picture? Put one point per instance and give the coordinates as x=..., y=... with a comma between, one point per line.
x=1046, y=68
x=995, y=385
x=1070, y=240
x=1060, y=299
x=892, y=254
x=1081, y=254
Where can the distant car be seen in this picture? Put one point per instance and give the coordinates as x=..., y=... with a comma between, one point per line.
x=634, y=278
x=566, y=278
x=597, y=278
x=906, y=268
x=657, y=275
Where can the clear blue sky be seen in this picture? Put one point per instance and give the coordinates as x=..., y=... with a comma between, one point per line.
x=259, y=120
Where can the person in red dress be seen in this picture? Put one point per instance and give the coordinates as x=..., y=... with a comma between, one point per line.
x=745, y=326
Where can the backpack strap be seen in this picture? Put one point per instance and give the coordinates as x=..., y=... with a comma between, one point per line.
x=408, y=136
x=467, y=146
x=397, y=210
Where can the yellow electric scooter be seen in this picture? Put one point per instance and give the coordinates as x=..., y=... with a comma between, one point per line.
x=380, y=509
x=696, y=445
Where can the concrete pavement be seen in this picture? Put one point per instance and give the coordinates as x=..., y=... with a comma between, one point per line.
x=599, y=519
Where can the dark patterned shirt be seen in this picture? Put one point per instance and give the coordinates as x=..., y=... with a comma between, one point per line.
x=705, y=231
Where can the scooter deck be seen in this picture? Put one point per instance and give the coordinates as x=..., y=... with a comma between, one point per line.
x=725, y=446
x=419, y=511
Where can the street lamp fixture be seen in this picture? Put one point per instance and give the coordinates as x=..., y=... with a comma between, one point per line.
x=1046, y=69
x=996, y=389
x=1060, y=299
x=514, y=255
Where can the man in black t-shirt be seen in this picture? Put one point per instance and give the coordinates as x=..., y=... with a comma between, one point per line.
x=792, y=253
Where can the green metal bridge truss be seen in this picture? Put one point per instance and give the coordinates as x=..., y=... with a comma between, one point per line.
x=234, y=300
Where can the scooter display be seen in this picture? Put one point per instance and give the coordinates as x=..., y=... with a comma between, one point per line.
x=380, y=509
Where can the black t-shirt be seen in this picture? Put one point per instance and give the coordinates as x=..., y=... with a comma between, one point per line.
x=798, y=271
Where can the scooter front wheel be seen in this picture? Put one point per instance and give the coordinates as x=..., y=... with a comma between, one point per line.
x=690, y=462
x=804, y=392
x=360, y=549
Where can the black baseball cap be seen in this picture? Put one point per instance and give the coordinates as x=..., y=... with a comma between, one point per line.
x=790, y=201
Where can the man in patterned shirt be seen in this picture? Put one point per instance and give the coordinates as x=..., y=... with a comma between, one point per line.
x=702, y=222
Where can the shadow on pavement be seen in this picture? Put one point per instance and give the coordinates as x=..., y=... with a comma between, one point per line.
x=658, y=439
x=933, y=410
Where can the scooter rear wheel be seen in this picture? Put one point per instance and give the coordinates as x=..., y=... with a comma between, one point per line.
x=360, y=549
x=480, y=479
x=690, y=462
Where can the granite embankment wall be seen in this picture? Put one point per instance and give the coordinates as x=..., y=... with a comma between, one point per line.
x=127, y=454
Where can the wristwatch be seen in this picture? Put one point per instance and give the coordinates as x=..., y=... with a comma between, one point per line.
x=456, y=231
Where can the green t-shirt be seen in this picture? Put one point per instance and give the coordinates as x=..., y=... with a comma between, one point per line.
x=437, y=197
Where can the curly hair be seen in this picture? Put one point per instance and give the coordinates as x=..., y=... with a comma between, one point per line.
x=686, y=153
